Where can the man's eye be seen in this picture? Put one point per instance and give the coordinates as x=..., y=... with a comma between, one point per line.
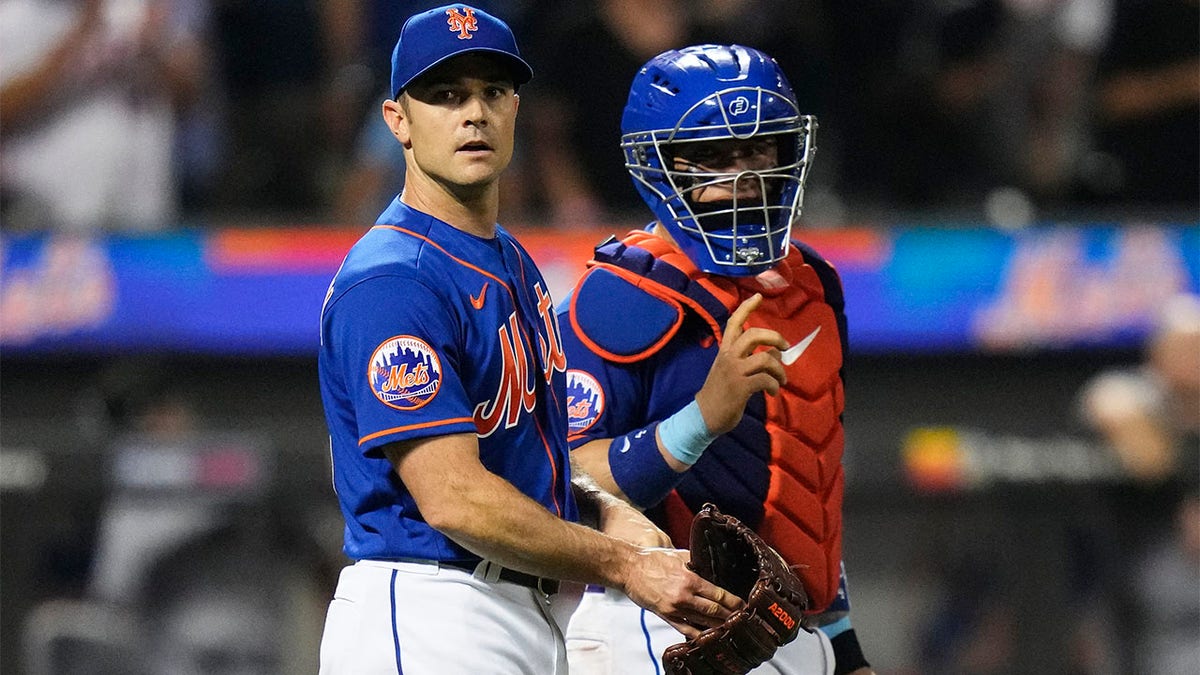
x=764, y=146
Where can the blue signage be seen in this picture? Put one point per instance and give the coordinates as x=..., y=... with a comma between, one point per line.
x=908, y=290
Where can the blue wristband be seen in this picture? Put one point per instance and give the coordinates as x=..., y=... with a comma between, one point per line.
x=836, y=628
x=685, y=434
x=639, y=469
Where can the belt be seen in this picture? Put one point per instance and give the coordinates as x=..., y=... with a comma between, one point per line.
x=542, y=584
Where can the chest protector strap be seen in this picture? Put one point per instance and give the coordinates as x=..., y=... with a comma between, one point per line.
x=651, y=285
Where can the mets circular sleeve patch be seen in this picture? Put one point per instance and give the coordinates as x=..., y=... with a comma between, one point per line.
x=585, y=401
x=404, y=372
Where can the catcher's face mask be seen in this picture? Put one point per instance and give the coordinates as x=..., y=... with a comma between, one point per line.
x=722, y=167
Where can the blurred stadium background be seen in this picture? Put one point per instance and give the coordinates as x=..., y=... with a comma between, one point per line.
x=1009, y=188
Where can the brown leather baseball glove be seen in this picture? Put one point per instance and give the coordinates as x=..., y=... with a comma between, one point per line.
x=734, y=557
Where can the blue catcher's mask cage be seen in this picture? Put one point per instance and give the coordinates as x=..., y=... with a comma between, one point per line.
x=714, y=93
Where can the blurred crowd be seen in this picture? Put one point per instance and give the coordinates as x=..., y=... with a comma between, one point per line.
x=150, y=114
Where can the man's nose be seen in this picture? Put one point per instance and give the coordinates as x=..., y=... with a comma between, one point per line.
x=476, y=112
x=749, y=184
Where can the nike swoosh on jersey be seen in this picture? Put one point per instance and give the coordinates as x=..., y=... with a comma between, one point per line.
x=477, y=302
x=789, y=357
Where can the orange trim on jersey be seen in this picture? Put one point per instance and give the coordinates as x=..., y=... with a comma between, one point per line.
x=521, y=258
x=537, y=425
x=553, y=467
x=423, y=425
x=512, y=296
x=460, y=261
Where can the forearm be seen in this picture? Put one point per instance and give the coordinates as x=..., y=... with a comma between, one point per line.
x=589, y=494
x=642, y=472
x=499, y=523
x=484, y=513
x=612, y=515
x=639, y=466
x=462, y=499
x=591, y=460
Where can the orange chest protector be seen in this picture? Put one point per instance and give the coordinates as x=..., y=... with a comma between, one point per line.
x=799, y=508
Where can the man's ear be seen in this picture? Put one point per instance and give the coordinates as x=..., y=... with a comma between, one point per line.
x=397, y=120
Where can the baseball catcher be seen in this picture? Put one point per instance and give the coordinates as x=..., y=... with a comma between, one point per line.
x=732, y=556
x=725, y=384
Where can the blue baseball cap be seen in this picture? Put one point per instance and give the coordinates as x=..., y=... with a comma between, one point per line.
x=429, y=38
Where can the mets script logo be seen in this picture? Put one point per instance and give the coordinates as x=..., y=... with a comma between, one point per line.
x=585, y=401
x=464, y=24
x=404, y=373
x=517, y=391
x=739, y=105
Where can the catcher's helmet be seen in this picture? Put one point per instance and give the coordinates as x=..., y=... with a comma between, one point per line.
x=708, y=93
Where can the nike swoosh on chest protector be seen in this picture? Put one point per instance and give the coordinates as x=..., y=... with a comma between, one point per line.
x=792, y=353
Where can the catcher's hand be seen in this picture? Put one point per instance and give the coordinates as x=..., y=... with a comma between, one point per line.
x=734, y=557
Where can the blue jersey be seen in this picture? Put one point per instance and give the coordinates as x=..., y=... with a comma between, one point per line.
x=427, y=330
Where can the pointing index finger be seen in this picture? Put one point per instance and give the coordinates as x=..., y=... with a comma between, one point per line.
x=733, y=327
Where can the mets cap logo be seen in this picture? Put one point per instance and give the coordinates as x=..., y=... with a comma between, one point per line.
x=585, y=401
x=405, y=373
x=465, y=24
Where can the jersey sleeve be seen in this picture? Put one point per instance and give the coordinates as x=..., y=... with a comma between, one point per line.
x=398, y=348
x=603, y=398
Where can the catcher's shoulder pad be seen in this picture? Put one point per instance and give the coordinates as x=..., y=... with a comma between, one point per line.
x=619, y=318
x=652, y=286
